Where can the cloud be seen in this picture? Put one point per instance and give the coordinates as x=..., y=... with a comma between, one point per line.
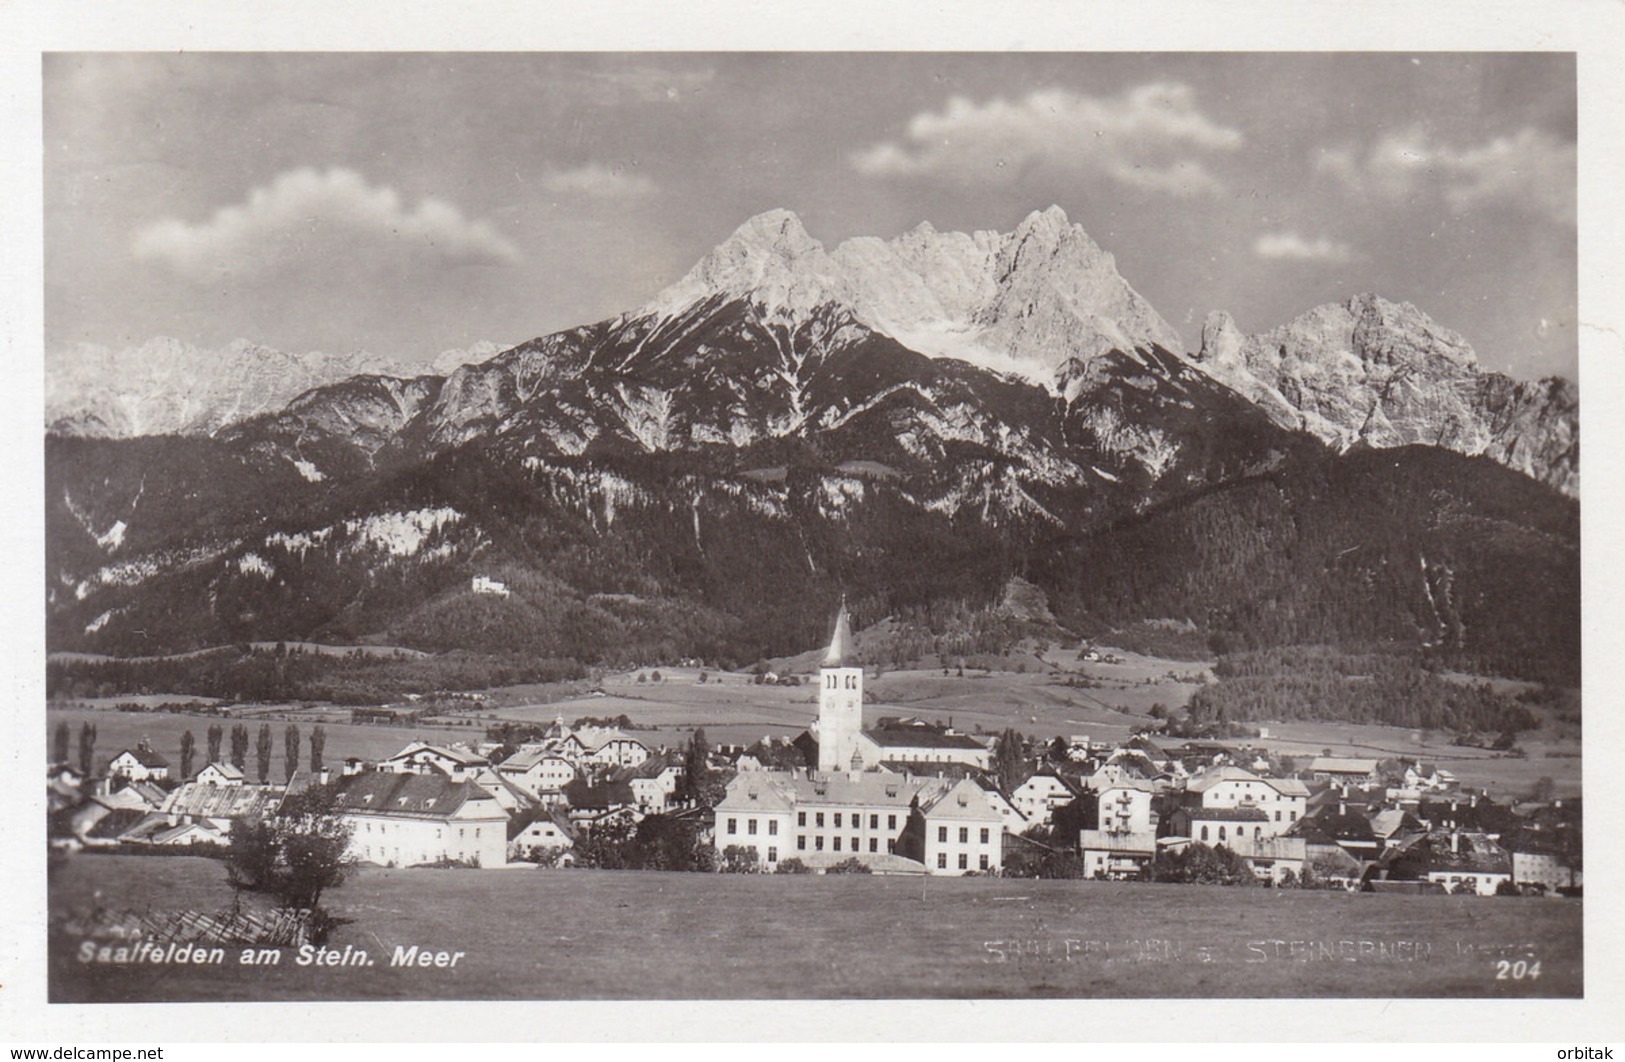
x=599, y=181
x=1531, y=170
x=1152, y=138
x=1293, y=247
x=305, y=215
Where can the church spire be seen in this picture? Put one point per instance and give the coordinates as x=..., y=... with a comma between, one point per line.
x=840, y=642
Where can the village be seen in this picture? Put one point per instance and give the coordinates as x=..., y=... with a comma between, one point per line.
x=903, y=796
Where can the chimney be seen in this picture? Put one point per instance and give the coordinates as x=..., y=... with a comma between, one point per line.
x=1473, y=803
x=1455, y=840
x=323, y=775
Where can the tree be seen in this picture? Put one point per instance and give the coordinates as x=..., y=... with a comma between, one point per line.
x=793, y=866
x=216, y=734
x=1010, y=760
x=853, y=865
x=1202, y=865
x=87, y=749
x=295, y=855
x=61, y=739
x=239, y=745
x=263, y=744
x=188, y=754
x=290, y=751
x=318, y=741
x=696, y=767
x=1545, y=789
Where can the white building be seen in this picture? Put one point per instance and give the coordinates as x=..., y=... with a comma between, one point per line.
x=919, y=743
x=483, y=584
x=889, y=821
x=1282, y=800
x=220, y=774
x=420, y=757
x=407, y=819
x=1039, y=796
x=962, y=833
x=139, y=764
x=596, y=746
x=537, y=770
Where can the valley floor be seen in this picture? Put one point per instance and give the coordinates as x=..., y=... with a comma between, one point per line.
x=577, y=934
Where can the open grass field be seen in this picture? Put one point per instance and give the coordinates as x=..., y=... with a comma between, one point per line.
x=540, y=934
x=116, y=731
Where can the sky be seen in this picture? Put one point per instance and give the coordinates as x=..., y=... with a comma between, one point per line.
x=408, y=204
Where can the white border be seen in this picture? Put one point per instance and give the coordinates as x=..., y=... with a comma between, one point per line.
x=1593, y=28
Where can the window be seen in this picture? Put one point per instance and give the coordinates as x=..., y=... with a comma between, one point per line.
x=984, y=838
x=1277, y=814
x=964, y=863
x=874, y=844
x=874, y=822
x=750, y=827
x=801, y=818
x=772, y=855
x=1204, y=833
x=983, y=863
x=891, y=822
x=942, y=833
x=818, y=843
x=801, y=842
x=891, y=846
x=942, y=860
x=837, y=844
x=818, y=819
x=772, y=827
x=964, y=835
x=1221, y=833
x=854, y=844
x=733, y=825
x=1294, y=816
x=837, y=819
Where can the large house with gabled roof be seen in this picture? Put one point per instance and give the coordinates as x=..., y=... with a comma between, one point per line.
x=408, y=818
x=139, y=764
x=1282, y=801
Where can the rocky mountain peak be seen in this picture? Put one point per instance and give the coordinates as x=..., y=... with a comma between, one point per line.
x=770, y=260
x=1383, y=373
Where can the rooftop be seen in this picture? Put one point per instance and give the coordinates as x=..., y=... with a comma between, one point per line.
x=388, y=793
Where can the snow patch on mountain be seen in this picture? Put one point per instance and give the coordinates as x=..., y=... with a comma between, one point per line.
x=254, y=564
x=114, y=536
x=311, y=473
x=299, y=542
x=400, y=534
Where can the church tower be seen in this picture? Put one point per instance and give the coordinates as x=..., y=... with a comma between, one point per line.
x=840, y=700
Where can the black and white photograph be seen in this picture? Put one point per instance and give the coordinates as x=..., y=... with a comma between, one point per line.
x=914, y=524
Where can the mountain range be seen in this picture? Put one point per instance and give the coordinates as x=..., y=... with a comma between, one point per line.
x=907, y=421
